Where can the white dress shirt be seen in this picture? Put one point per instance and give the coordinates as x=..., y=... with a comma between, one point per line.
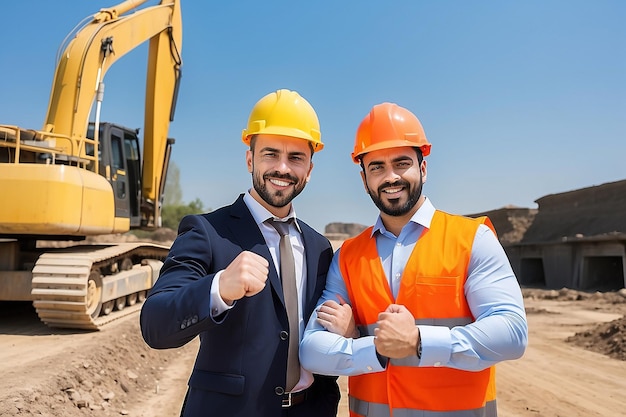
x=272, y=238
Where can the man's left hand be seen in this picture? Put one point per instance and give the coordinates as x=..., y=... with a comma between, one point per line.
x=396, y=336
x=337, y=318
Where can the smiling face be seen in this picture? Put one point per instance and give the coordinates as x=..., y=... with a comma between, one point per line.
x=280, y=166
x=394, y=178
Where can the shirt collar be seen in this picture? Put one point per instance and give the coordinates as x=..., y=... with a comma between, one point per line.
x=261, y=214
x=423, y=216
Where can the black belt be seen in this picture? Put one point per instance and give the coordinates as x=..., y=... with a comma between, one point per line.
x=294, y=398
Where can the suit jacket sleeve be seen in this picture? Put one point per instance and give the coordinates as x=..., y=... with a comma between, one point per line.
x=179, y=300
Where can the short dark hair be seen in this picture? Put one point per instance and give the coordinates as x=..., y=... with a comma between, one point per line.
x=418, y=152
x=253, y=144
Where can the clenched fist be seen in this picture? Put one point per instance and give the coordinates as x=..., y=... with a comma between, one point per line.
x=396, y=336
x=245, y=276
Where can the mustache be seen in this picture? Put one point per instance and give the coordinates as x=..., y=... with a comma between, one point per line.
x=278, y=175
x=388, y=184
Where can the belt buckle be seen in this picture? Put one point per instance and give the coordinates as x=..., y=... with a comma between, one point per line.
x=287, y=401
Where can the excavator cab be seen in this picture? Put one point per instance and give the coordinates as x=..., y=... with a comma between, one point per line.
x=120, y=163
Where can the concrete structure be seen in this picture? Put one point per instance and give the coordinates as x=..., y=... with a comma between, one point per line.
x=577, y=240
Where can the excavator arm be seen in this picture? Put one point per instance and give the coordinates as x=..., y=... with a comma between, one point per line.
x=87, y=57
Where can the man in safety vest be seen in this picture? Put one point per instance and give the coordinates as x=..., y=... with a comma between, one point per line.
x=420, y=307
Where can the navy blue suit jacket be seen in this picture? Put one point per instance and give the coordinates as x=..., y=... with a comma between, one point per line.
x=241, y=364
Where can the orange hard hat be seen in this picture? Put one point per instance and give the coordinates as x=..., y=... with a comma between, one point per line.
x=388, y=125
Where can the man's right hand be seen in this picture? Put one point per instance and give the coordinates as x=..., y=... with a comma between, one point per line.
x=245, y=276
x=396, y=336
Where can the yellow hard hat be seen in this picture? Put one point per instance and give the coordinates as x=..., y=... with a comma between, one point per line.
x=284, y=113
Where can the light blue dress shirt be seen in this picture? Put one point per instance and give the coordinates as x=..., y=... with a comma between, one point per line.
x=494, y=296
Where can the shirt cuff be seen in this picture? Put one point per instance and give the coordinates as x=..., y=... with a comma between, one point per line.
x=217, y=305
x=364, y=355
x=436, y=345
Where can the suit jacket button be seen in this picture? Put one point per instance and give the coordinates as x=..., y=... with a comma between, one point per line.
x=182, y=325
x=279, y=390
x=284, y=335
x=194, y=319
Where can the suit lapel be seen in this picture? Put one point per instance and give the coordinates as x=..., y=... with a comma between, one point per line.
x=312, y=261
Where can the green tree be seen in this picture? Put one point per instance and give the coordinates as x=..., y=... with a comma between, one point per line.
x=173, y=192
x=173, y=207
x=172, y=214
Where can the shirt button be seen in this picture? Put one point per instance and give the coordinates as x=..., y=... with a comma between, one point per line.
x=284, y=335
x=437, y=364
x=369, y=368
x=398, y=244
x=279, y=390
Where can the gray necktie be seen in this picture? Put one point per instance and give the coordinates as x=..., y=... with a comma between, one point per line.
x=290, y=294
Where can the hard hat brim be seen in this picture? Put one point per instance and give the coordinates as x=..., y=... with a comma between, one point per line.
x=390, y=144
x=284, y=131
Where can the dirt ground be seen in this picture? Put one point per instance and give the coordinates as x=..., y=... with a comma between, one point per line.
x=575, y=364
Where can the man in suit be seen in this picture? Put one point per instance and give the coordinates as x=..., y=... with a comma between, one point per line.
x=221, y=280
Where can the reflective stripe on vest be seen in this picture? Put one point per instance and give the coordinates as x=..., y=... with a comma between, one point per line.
x=363, y=408
x=413, y=360
x=432, y=289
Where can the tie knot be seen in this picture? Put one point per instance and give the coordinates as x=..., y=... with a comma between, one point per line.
x=282, y=227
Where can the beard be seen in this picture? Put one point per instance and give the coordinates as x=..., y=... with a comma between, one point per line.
x=395, y=208
x=279, y=198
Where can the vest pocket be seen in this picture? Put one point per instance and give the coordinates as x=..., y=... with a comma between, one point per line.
x=434, y=293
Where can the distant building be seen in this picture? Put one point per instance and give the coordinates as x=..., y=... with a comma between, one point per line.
x=577, y=239
x=342, y=231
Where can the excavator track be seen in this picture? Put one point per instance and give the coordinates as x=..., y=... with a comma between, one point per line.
x=88, y=286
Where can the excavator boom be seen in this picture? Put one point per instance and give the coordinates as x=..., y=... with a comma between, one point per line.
x=89, y=55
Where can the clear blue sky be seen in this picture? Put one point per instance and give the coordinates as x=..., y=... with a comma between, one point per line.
x=520, y=99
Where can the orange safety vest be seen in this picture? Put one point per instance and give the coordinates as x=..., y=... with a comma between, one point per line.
x=432, y=289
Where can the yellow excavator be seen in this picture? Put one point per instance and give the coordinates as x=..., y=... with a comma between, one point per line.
x=78, y=177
